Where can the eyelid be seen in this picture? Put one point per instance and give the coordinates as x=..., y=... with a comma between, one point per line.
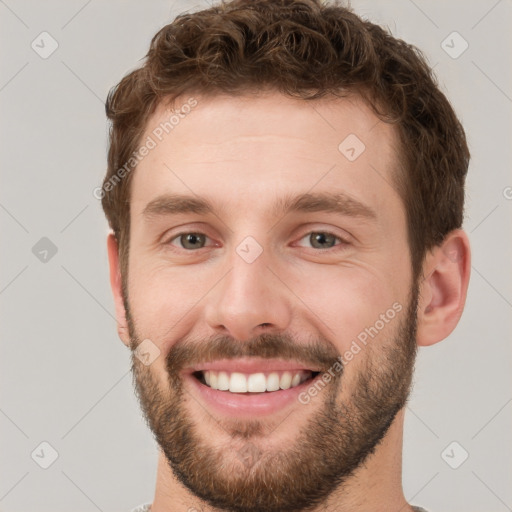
x=167, y=241
x=200, y=229
x=185, y=229
x=343, y=240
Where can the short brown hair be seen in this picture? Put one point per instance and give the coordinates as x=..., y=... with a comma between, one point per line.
x=305, y=49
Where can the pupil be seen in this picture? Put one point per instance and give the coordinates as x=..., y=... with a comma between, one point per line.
x=321, y=238
x=191, y=239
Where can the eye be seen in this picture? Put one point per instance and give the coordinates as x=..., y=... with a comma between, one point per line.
x=189, y=241
x=322, y=239
x=317, y=239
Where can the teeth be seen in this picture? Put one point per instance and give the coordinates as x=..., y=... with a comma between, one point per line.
x=255, y=382
x=223, y=381
x=295, y=380
x=273, y=382
x=213, y=380
x=237, y=383
x=286, y=381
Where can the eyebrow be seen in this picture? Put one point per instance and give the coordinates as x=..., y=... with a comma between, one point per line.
x=340, y=203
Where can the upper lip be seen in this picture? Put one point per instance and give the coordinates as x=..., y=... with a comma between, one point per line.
x=250, y=365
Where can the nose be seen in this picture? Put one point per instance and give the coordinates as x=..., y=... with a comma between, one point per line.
x=249, y=301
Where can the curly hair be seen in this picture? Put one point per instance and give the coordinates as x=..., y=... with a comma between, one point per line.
x=307, y=49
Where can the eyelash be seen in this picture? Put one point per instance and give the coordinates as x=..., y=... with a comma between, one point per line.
x=339, y=246
x=335, y=247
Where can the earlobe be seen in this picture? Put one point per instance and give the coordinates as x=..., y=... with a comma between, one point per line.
x=443, y=289
x=116, y=286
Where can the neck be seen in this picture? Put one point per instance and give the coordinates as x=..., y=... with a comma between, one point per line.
x=375, y=487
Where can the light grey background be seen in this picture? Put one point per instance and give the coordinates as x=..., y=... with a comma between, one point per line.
x=64, y=374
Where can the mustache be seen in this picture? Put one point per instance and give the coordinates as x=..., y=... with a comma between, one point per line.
x=319, y=353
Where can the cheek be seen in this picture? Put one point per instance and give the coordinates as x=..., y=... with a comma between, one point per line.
x=338, y=301
x=165, y=301
x=346, y=303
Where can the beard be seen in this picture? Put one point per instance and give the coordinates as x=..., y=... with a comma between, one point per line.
x=334, y=441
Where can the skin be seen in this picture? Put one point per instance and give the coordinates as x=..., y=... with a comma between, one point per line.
x=242, y=154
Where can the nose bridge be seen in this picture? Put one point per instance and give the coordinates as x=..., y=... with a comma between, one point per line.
x=249, y=295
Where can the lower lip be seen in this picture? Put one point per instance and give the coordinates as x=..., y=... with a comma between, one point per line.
x=247, y=404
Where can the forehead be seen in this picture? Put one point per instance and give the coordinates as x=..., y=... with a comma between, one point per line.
x=234, y=149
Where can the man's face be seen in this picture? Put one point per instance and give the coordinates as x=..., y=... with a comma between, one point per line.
x=273, y=292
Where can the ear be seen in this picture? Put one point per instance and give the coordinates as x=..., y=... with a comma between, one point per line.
x=116, y=285
x=444, y=288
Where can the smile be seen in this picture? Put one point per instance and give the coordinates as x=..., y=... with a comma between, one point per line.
x=236, y=382
x=247, y=387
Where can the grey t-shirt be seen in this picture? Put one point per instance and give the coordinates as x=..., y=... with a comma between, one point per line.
x=142, y=508
x=147, y=508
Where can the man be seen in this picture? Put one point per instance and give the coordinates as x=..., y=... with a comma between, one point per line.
x=285, y=189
